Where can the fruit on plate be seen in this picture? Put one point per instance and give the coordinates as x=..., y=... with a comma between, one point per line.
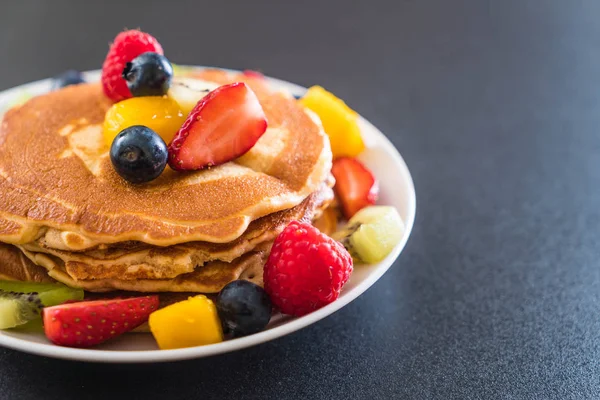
x=18, y=308
x=372, y=233
x=149, y=74
x=138, y=154
x=161, y=114
x=50, y=294
x=355, y=185
x=187, y=92
x=306, y=269
x=339, y=121
x=223, y=126
x=22, y=302
x=126, y=46
x=188, y=323
x=67, y=78
x=34, y=326
x=244, y=308
x=88, y=323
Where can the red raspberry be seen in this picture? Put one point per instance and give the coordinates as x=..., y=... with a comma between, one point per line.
x=306, y=269
x=127, y=46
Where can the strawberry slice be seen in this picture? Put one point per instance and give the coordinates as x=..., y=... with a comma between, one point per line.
x=224, y=125
x=356, y=186
x=88, y=323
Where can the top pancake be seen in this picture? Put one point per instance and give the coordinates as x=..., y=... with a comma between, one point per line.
x=55, y=175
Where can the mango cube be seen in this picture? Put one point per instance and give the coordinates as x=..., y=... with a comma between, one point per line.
x=188, y=323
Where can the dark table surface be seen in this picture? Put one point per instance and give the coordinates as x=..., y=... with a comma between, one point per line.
x=495, y=106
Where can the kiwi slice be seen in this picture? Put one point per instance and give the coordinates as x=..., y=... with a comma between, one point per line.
x=18, y=308
x=372, y=233
x=34, y=326
x=51, y=294
x=187, y=92
x=21, y=302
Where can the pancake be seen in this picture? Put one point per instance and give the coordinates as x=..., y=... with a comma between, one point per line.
x=209, y=278
x=142, y=261
x=56, y=181
x=14, y=265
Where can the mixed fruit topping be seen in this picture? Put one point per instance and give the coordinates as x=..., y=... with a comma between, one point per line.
x=203, y=128
x=161, y=120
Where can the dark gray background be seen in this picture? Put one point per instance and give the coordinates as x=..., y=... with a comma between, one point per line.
x=495, y=106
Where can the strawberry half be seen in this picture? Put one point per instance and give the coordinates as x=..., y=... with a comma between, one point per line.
x=355, y=186
x=88, y=323
x=224, y=125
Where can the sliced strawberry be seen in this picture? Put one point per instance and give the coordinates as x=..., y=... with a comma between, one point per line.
x=224, y=125
x=88, y=323
x=356, y=186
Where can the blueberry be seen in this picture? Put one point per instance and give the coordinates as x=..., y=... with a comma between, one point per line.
x=67, y=78
x=138, y=154
x=149, y=74
x=244, y=308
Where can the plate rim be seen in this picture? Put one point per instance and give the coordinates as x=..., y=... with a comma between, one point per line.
x=155, y=356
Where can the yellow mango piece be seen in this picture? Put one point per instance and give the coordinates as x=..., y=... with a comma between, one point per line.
x=161, y=114
x=188, y=323
x=339, y=121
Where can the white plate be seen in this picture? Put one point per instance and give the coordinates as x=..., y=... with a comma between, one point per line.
x=396, y=189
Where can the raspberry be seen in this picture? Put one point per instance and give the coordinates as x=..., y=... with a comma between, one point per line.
x=306, y=269
x=126, y=46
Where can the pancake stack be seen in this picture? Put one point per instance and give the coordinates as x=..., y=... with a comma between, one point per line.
x=66, y=215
